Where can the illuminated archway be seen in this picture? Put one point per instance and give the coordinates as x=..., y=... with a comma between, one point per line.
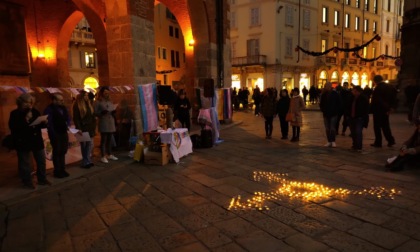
x=334, y=78
x=323, y=76
x=355, y=79
x=345, y=77
x=364, y=80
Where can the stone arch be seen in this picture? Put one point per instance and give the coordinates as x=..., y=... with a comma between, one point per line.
x=96, y=19
x=194, y=25
x=63, y=44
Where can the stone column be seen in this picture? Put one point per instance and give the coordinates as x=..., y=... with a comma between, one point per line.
x=131, y=51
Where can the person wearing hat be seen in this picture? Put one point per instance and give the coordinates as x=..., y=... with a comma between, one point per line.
x=359, y=117
x=382, y=103
x=409, y=151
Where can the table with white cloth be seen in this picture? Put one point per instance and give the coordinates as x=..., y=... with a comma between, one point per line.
x=179, y=141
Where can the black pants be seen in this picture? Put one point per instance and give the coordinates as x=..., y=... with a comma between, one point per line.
x=106, y=143
x=257, y=108
x=284, y=126
x=185, y=122
x=60, y=145
x=345, y=123
x=399, y=163
x=381, y=122
x=296, y=132
x=268, y=125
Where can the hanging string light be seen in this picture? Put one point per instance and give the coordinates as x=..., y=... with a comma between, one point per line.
x=337, y=49
x=380, y=57
x=355, y=51
x=165, y=71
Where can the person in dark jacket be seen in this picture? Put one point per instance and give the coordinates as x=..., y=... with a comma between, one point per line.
x=58, y=123
x=182, y=110
x=382, y=103
x=359, y=117
x=256, y=96
x=85, y=121
x=268, y=110
x=330, y=104
x=283, y=105
x=345, y=95
x=27, y=139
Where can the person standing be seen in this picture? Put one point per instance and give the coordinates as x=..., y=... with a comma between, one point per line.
x=85, y=121
x=312, y=94
x=296, y=107
x=330, y=105
x=104, y=110
x=345, y=95
x=182, y=110
x=283, y=105
x=359, y=117
x=256, y=96
x=268, y=110
x=58, y=122
x=234, y=97
x=305, y=93
x=244, y=98
x=27, y=139
x=125, y=124
x=382, y=103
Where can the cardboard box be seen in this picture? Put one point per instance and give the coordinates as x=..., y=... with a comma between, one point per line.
x=151, y=138
x=157, y=158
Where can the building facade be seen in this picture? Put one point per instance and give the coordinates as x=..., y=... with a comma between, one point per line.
x=264, y=46
x=264, y=35
x=83, y=64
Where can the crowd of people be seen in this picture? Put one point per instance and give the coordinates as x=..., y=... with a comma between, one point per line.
x=90, y=114
x=347, y=106
x=87, y=115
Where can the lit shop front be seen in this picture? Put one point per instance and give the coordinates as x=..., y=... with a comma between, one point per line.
x=355, y=78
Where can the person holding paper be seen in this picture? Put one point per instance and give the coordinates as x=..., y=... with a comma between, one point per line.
x=58, y=122
x=85, y=121
x=105, y=110
x=28, y=139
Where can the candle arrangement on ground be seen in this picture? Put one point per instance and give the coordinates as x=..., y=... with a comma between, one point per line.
x=308, y=191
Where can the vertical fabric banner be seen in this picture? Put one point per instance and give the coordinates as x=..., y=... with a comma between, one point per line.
x=227, y=104
x=148, y=106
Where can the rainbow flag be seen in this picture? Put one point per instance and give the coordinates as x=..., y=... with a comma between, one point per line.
x=148, y=106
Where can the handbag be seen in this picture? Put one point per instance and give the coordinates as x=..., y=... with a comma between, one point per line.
x=289, y=116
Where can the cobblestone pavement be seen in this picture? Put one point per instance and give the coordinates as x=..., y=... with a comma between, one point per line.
x=184, y=207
